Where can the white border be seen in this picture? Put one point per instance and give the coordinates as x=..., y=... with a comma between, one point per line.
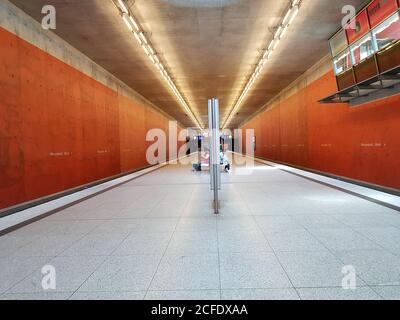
x=41, y=209
x=361, y=190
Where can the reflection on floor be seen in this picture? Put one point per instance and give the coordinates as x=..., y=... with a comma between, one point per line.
x=279, y=236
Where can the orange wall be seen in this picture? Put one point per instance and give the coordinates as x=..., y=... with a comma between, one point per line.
x=60, y=128
x=361, y=143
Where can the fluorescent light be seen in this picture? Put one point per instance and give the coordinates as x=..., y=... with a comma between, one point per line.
x=150, y=49
x=295, y=12
x=146, y=50
x=127, y=22
x=280, y=32
x=134, y=23
x=134, y=27
x=123, y=6
x=143, y=37
x=138, y=38
x=283, y=31
x=271, y=44
x=285, y=19
x=276, y=36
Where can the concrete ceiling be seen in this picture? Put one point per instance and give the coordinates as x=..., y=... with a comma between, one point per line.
x=209, y=47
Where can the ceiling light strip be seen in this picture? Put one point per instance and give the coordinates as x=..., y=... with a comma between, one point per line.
x=133, y=25
x=271, y=47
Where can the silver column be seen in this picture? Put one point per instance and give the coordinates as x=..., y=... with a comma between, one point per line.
x=214, y=138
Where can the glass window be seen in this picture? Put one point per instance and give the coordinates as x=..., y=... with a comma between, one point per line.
x=362, y=49
x=388, y=31
x=338, y=43
x=342, y=62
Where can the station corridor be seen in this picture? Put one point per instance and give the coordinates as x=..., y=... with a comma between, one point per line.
x=228, y=150
x=278, y=236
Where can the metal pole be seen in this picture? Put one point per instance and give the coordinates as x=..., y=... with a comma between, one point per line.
x=217, y=142
x=215, y=179
x=210, y=141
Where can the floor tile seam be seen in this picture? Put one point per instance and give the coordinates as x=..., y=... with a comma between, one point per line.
x=165, y=251
x=105, y=258
x=335, y=254
x=373, y=241
x=273, y=251
x=205, y=289
x=219, y=260
x=51, y=258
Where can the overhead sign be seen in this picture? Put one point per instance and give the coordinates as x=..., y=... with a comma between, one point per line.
x=378, y=10
x=357, y=27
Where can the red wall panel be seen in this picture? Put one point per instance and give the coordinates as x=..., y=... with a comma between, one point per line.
x=361, y=27
x=361, y=143
x=59, y=128
x=378, y=10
